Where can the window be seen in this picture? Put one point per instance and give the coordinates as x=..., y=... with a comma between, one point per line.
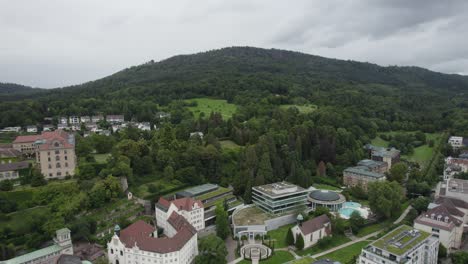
x=50, y=166
x=56, y=144
x=57, y=157
x=59, y=174
x=48, y=153
x=66, y=158
x=57, y=165
x=65, y=151
x=112, y=251
x=48, y=159
x=66, y=164
x=121, y=253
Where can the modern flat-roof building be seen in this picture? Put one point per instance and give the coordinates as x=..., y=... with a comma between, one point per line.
x=453, y=188
x=402, y=245
x=324, y=198
x=456, y=142
x=279, y=197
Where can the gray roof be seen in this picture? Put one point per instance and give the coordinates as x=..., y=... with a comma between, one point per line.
x=34, y=255
x=14, y=166
x=370, y=163
x=197, y=190
x=364, y=171
x=324, y=195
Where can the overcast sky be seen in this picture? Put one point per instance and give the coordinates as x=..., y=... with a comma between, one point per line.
x=53, y=43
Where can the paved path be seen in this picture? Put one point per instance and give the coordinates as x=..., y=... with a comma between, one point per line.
x=346, y=244
x=403, y=215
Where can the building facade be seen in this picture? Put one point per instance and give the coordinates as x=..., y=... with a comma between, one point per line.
x=312, y=230
x=11, y=170
x=139, y=243
x=361, y=176
x=192, y=210
x=456, y=142
x=402, y=245
x=279, y=197
x=439, y=222
x=55, y=154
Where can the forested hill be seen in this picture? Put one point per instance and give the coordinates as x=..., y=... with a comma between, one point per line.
x=245, y=75
x=12, y=88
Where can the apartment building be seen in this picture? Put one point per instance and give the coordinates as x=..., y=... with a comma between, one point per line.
x=192, y=210
x=404, y=244
x=55, y=154
x=361, y=176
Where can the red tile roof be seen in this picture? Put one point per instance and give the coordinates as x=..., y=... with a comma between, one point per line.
x=186, y=203
x=26, y=139
x=315, y=224
x=140, y=234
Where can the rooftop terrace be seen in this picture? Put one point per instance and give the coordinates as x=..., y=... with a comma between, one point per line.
x=278, y=189
x=400, y=240
x=250, y=216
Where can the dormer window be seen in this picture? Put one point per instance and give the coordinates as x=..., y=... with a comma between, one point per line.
x=56, y=144
x=446, y=219
x=432, y=216
x=439, y=217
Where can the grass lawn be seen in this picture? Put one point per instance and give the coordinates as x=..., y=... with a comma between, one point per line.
x=279, y=235
x=304, y=109
x=278, y=258
x=101, y=158
x=162, y=185
x=326, y=187
x=336, y=241
x=306, y=260
x=230, y=145
x=421, y=154
x=208, y=105
x=373, y=228
x=345, y=255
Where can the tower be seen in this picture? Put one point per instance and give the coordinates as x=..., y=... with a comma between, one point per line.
x=63, y=239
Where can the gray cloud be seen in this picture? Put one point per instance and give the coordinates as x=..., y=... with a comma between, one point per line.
x=51, y=43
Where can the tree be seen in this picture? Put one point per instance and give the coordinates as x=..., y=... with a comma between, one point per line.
x=421, y=203
x=289, y=237
x=212, y=250
x=385, y=198
x=299, y=242
x=321, y=169
x=265, y=172
x=398, y=172
x=6, y=185
x=356, y=221
x=248, y=192
x=442, y=251
x=460, y=257
x=222, y=224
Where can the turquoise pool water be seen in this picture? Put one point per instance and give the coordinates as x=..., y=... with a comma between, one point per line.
x=348, y=208
x=351, y=205
x=346, y=211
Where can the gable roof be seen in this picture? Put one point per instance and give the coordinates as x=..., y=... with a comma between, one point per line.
x=140, y=234
x=430, y=218
x=9, y=152
x=314, y=224
x=186, y=203
x=452, y=203
x=163, y=204
x=26, y=139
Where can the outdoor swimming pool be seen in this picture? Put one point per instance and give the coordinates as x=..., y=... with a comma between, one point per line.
x=349, y=207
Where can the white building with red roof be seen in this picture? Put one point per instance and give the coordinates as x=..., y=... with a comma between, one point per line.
x=312, y=230
x=192, y=210
x=140, y=243
x=54, y=150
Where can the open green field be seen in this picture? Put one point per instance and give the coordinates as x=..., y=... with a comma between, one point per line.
x=304, y=109
x=345, y=255
x=279, y=257
x=230, y=145
x=373, y=228
x=208, y=105
x=279, y=235
x=421, y=154
x=142, y=190
x=336, y=241
x=306, y=260
x=101, y=158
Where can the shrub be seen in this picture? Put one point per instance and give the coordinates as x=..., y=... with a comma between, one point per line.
x=299, y=242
